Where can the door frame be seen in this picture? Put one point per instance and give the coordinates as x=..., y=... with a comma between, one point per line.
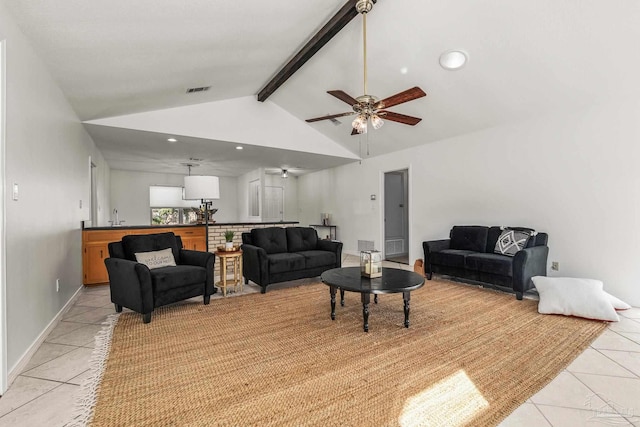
x=409, y=208
x=3, y=222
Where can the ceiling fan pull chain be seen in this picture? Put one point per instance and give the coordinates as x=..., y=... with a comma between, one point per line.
x=367, y=144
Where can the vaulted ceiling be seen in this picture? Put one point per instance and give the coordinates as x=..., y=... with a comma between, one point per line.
x=118, y=57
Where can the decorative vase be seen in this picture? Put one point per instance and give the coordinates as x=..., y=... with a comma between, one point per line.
x=228, y=246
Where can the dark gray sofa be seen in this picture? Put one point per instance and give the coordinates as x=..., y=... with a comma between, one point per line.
x=277, y=254
x=135, y=286
x=469, y=254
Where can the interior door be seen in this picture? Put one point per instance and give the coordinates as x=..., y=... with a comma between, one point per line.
x=273, y=204
x=396, y=227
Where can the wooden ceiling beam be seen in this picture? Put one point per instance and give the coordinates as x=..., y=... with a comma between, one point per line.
x=322, y=37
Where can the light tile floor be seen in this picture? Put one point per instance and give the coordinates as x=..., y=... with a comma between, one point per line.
x=600, y=388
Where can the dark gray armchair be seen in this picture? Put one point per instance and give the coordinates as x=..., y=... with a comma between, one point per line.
x=135, y=286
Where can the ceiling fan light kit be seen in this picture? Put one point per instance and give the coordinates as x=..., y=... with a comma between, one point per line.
x=368, y=107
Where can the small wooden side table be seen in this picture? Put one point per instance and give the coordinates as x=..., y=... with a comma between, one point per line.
x=236, y=261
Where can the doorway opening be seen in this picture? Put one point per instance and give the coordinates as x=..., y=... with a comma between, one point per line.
x=396, y=216
x=94, y=194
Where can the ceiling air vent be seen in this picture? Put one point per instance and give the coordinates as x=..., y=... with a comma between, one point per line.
x=335, y=121
x=198, y=89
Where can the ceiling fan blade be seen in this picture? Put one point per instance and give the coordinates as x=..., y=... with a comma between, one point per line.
x=332, y=116
x=400, y=118
x=399, y=98
x=342, y=96
x=354, y=131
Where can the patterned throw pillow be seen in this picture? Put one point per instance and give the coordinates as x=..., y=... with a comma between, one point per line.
x=511, y=241
x=156, y=259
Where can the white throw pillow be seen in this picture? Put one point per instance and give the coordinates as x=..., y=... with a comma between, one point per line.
x=574, y=297
x=617, y=303
x=156, y=259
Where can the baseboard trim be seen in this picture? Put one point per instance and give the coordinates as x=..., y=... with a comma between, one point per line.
x=28, y=354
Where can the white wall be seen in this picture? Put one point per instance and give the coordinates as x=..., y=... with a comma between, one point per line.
x=130, y=195
x=317, y=194
x=574, y=176
x=47, y=155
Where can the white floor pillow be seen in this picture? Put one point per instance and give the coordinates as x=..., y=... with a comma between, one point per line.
x=618, y=304
x=575, y=297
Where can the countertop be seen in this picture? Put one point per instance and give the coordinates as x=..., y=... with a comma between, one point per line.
x=129, y=227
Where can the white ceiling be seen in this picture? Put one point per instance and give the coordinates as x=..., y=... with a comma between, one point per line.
x=115, y=57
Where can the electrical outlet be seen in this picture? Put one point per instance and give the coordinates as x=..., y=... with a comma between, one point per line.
x=555, y=265
x=57, y=285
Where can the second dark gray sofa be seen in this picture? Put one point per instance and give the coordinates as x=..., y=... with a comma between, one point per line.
x=469, y=254
x=277, y=254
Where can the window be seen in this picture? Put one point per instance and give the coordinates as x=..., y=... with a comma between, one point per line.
x=172, y=216
x=167, y=206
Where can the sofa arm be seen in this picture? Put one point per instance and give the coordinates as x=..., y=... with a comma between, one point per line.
x=332, y=246
x=527, y=263
x=200, y=259
x=430, y=247
x=130, y=284
x=255, y=265
x=436, y=245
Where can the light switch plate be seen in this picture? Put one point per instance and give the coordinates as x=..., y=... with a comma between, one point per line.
x=14, y=196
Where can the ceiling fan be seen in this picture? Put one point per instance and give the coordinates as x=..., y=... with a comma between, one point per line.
x=368, y=107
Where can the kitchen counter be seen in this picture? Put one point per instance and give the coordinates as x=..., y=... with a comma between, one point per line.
x=138, y=227
x=211, y=224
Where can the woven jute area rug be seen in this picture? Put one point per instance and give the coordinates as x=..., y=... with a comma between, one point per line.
x=470, y=357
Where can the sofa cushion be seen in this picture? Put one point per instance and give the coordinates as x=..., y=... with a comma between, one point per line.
x=301, y=239
x=166, y=278
x=149, y=243
x=449, y=257
x=313, y=259
x=469, y=238
x=283, y=262
x=490, y=263
x=272, y=239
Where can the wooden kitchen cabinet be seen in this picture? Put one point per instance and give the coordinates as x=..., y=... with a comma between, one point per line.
x=192, y=238
x=94, y=255
x=95, y=246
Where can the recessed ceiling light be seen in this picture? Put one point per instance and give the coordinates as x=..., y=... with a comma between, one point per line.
x=404, y=70
x=239, y=148
x=172, y=140
x=453, y=59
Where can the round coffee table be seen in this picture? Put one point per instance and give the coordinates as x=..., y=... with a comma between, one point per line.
x=393, y=280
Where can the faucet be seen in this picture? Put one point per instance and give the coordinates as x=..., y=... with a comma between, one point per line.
x=117, y=221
